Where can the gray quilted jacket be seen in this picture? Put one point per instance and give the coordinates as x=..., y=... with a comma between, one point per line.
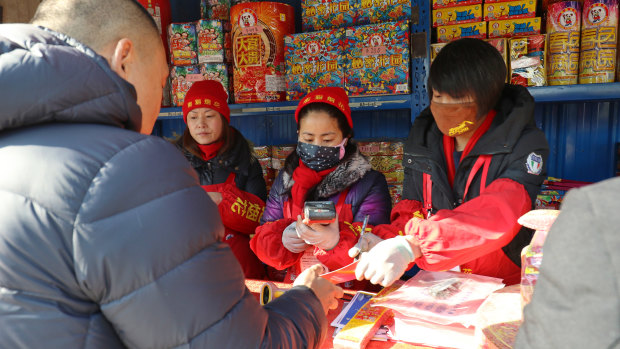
x=106, y=239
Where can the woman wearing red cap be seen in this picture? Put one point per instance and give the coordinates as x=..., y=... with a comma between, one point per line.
x=227, y=168
x=326, y=165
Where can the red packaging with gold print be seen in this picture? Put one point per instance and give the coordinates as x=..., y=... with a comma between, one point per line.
x=258, y=30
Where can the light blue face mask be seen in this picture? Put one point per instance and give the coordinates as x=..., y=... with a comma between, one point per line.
x=318, y=157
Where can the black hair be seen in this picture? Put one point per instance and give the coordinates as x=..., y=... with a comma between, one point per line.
x=469, y=67
x=292, y=161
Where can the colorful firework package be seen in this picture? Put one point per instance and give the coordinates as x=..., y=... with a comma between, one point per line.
x=457, y=15
x=328, y=14
x=181, y=79
x=215, y=71
x=502, y=47
x=510, y=9
x=379, y=11
x=215, y=9
x=210, y=41
x=313, y=60
x=377, y=59
x=452, y=3
x=182, y=42
x=527, y=61
x=258, y=31
x=563, y=28
x=514, y=27
x=599, y=29
x=380, y=148
x=468, y=30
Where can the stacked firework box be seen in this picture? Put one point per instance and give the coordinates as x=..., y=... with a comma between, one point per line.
x=387, y=158
x=271, y=159
x=200, y=50
x=501, y=23
x=360, y=45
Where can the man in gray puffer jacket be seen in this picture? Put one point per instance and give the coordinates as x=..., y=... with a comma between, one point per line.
x=106, y=238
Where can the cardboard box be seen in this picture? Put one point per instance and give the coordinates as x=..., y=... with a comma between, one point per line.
x=216, y=71
x=181, y=79
x=313, y=60
x=458, y=31
x=377, y=59
x=182, y=41
x=509, y=10
x=457, y=15
x=380, y=11
x=282, y=151
x=262, y=152
x=501, y=44
x=215, y=9
x=437, y=4
x=210, y=41
x=527, y=61
x=380, y=148
x=514, y=27
x=328, y=14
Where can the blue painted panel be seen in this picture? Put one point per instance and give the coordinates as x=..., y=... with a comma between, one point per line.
x=582, y=138
x=254, y=128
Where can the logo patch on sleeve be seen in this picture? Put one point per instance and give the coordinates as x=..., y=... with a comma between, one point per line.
x=534, y=164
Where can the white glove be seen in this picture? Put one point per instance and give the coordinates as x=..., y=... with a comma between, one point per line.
x=364, y=244
x=386, y=262
x=291, y=241
x=325, y=237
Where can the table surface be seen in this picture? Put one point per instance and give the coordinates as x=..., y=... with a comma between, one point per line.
x=255, y=285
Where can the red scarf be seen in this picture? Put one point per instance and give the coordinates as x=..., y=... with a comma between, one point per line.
x=209, y=151
x=305, y=178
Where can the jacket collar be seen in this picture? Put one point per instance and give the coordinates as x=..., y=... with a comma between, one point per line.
x=236, y=159
x=51, y=77
x=347, y=173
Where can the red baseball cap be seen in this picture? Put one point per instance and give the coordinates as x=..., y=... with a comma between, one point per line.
x=335, y=96
x=206, y=94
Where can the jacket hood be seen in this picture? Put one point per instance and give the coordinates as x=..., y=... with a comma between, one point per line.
x=515, y=112
x=49, y=77
x=347, y=173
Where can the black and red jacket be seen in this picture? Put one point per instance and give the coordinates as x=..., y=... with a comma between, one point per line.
x=238, y=176
x=468, y=218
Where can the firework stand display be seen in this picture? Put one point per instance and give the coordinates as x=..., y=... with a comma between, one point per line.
x=269, y=55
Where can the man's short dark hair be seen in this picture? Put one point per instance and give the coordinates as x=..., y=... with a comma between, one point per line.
x=469, y=67
x=96, y=23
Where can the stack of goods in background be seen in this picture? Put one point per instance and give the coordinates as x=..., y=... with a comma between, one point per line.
x=197, y=50
x=387, y=158
x=271, y=159
x=258, y=30
x=360, y=45
x=196, y=53
x=263, y=154
x=579, y=47
x=599, y=29
x=563, y=28
x=553, y=190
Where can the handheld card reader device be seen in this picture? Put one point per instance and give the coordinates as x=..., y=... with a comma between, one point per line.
x=321, y=212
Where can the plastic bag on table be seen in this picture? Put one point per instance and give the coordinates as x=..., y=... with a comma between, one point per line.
x=532, y=254
x=441, y=297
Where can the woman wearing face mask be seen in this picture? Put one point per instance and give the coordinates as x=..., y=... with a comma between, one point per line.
x=226, y=167
x=325, y=166
x=474, y=163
